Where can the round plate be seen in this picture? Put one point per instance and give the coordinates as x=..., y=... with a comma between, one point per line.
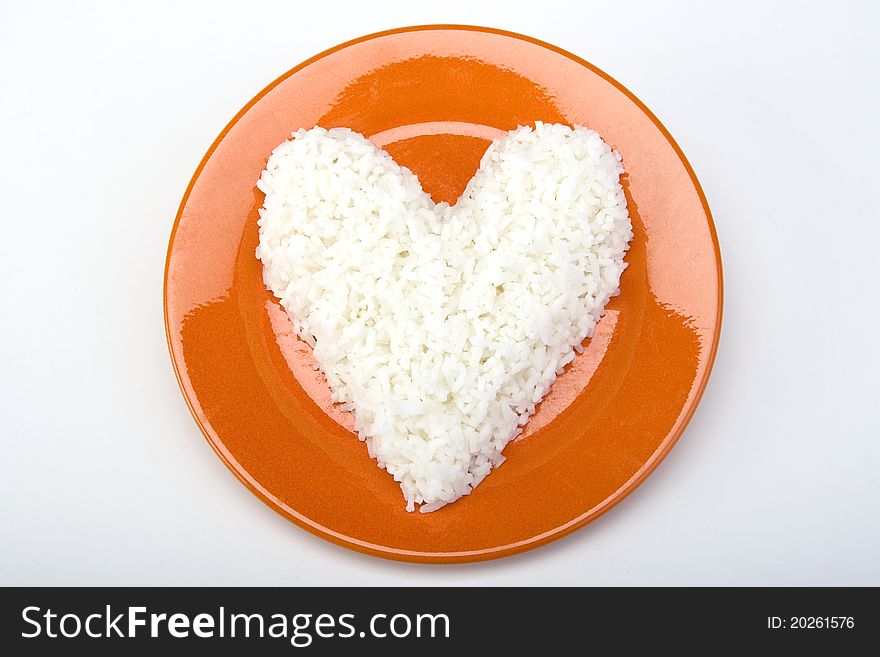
x=433, y=96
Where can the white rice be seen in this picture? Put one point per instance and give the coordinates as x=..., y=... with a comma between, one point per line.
x=442, y=327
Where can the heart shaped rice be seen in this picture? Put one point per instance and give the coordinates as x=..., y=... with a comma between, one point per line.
x=441, y=327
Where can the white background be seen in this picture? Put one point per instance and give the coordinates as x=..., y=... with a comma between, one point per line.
x=106, y=110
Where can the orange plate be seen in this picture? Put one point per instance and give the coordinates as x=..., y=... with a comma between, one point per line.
x=431, y=95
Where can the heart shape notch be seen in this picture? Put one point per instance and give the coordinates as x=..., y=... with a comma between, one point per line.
x=442, y=327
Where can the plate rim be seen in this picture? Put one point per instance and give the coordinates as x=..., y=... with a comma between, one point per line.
x=539, y=540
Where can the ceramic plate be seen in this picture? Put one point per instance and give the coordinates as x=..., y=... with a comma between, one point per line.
x=433, y=97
